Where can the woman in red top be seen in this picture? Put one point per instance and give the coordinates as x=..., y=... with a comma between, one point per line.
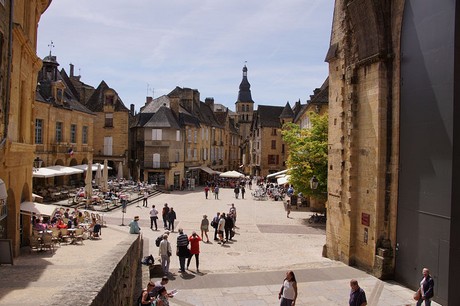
x=194, y=250
x=60, y=224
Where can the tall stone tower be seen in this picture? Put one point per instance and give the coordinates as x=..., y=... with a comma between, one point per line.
x=244, y=106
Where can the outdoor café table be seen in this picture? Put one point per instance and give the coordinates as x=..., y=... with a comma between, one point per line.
x=107, y=202
x=71, y=232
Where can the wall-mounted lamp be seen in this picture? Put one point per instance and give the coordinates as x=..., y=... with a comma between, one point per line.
x=314, y=183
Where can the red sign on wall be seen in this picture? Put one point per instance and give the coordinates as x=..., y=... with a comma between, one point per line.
x=365, y=219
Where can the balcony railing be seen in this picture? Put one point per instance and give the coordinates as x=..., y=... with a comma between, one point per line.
x=59, y=148
x=157, y=165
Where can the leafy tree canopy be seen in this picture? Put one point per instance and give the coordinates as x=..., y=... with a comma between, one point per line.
x=307, y=154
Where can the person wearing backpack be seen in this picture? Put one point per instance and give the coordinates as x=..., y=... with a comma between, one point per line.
x=214, y=223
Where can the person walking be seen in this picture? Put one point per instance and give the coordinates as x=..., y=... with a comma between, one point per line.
x=134, y=226
x=205, y=227
x=221, y=229
x=233, y=212
x=206, y=191
x=357, y=294
x=146, y=197
x=243, y=191
x=426, y=288
x=194, y=240
x=236, y=191
x=182, y=249
x=164, y=214
x=215, y=223
x=153, y=218
x=216, y=192
x=288, y=291
x=165, y=254
x=171, y=218
x=228, y=227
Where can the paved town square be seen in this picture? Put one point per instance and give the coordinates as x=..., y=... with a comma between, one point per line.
x=246, y=271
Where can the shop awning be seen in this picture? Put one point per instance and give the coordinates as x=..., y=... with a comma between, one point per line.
x=277, y=173
x=209, y=170
x=283, y=179
x=29, y=208
x=66, y=170
x=46, y=172
x=93, y=167
x=205, y=169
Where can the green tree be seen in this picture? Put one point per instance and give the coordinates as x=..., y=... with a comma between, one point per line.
x=308, y=154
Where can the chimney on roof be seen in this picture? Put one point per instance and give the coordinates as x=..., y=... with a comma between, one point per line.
x=71, y=70
x=209, y=101
x=148, y=100
x=316, y=91
x=174, y=105
x=131, y=109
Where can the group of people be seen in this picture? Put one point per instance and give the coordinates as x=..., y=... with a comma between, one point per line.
x=67, y=220
x=224, y=226
x=424, y=293
x=186, y=248
x=156, y=292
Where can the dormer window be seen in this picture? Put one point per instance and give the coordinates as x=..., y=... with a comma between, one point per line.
x=58, y=92
x=109, y=100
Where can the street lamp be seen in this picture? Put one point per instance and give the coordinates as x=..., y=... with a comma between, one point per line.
x=314, y=183
x=37, y=164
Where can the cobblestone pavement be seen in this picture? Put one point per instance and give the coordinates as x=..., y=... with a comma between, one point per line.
x=250, y=270
x=247, y=271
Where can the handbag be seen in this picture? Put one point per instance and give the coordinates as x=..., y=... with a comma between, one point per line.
x=417, y=295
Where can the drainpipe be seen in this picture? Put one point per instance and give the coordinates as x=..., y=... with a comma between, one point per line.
x=8, y=77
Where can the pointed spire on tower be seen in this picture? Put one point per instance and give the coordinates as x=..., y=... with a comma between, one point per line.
x=244, y=94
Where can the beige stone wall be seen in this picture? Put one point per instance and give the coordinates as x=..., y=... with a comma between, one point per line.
x=362, y=159
x=50, y=151
x=265, y=147
x=119, y=133
x=16, y=149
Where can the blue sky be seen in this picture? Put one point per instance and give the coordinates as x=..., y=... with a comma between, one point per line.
x=148, y=47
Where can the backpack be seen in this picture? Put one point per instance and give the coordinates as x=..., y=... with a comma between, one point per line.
x=148, y=260
x=158, y=240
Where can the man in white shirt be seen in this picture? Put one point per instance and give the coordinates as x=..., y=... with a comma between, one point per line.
x=153, y=218
x=221, y=228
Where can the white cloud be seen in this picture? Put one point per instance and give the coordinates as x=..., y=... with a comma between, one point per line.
x=190, y=43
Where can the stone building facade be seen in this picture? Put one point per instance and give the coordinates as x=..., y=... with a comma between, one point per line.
x=19, y=67
x=268, y=150
x=198, y=147
x=393, y=140
x=64, y=131
x=112, y=120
